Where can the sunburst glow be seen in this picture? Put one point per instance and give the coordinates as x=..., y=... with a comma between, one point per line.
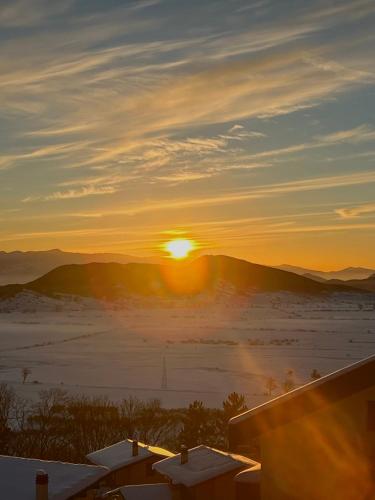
x=180, y=248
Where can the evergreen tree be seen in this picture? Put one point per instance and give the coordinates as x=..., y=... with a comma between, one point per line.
x=196, y=425
x=234, y=405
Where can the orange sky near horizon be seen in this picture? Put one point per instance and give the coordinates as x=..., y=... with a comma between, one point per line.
x=272, y=253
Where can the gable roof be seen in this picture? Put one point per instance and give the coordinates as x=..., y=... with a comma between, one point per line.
x=204, y=463
x=120, y=454
x=17, y=477
x=303, y=400
x=146, y=492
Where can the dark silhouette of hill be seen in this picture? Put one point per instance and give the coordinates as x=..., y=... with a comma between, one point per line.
x=22, y=267
x=206, y=274
x=349, y=273
x=366, y=284
x=314, y=277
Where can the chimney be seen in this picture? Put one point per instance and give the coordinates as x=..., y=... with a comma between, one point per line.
x=135, y=448
x=184, y=455
x=41, y=485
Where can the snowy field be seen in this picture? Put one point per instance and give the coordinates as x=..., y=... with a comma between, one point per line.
x=209, y=350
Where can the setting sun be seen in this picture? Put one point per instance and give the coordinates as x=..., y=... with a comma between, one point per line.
x=179, y=249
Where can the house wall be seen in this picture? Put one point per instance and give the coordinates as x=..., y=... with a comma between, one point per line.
x=248, y=491
x=220, y=488
x=138, y=473
x=328, y=454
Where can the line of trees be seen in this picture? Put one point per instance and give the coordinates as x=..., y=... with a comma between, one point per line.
x=59, y=426
x=288, y=384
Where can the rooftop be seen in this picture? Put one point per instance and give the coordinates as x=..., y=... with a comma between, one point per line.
x=17, y=478
x=204, y=463
x=121, y=454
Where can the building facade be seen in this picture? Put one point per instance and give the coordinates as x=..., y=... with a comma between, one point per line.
x=316, y=442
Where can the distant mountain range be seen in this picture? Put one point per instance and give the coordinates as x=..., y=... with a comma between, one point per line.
x=22, y=267
x=349, y=273
x=206, y=274
x=366, y=284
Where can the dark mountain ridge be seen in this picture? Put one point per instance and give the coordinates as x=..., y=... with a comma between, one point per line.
x=366, y=284
x=203, y=275
x=23, y=267
x=348, y=273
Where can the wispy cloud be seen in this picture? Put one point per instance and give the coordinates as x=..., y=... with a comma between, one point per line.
x=21, y=13
x=45, y=152
x=362, y=133
x=74, y=193
x=73, y=129
x=241, y=195
x=351, y=213
x=102, y=88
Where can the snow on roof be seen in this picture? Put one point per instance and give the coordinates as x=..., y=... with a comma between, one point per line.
x=121, y=454
x=300, y=390
x=204, y=463
x=147, y=492
x=17, y=478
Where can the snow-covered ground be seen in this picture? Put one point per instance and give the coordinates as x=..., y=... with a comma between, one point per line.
x=210, y=350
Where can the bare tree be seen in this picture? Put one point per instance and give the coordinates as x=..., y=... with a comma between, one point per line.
x=130, y=410
x=25, y=373
x=47, y=424
x=7, y=399
x=289, y=382
x=271, y=385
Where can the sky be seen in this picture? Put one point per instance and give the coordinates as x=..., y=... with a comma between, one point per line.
x=248, y=126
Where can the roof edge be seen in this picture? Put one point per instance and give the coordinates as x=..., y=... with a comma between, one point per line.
x=299, y=390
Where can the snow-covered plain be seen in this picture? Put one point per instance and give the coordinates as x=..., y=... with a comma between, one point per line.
x=210, y=348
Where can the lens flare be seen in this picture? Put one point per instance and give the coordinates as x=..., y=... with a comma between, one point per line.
x=180, y=248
